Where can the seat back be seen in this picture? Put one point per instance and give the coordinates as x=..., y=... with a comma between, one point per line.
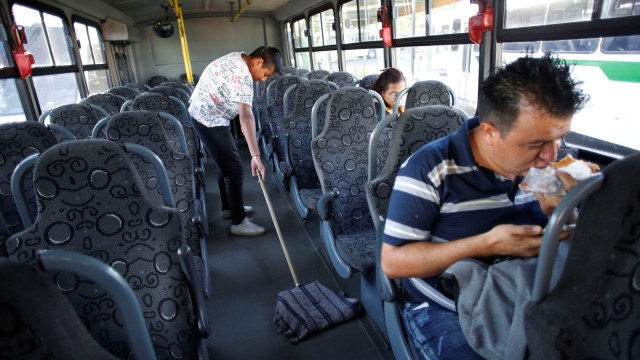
x=172, y=91
x=413, y=129
x=342, y=78
x=37, y=319
x=289, y=70
x=140, y=88
x=77, y=118
x=107, y=101
x=124, y=91
x=367, y=81
x=179, y=85
x=18, y=140
x=276, y=110
x=302, y=72
x=156, y=80
x=429, y=92
x=298, y=126
x=593, y=310
x=340, y=157
x=317, y=74
x=91, y=202
x=162, y=103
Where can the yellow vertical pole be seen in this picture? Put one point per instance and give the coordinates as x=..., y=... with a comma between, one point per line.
x=183, y=41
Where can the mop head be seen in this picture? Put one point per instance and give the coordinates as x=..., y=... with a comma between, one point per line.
x=309, y=308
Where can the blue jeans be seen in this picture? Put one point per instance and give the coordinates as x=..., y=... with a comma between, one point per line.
x=435, y=333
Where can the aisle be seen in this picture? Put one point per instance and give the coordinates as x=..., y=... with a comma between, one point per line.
x=248, y=272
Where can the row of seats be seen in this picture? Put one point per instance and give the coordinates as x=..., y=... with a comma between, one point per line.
x=327, y=142
x=127, y=199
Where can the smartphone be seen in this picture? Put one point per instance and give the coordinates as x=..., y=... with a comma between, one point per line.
x=566, y=227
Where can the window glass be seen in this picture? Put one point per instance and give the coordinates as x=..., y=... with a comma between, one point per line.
x=521, y=13
x=58, y=39
x=56, y=90
x=363, y=62
x=289, y=33
x=444, y=17
x=4, y=55
x=96, y=45
x=349, y=16
x=299, y=35
x=619, y=8
x=322, y=28
x=369, y=26
x=85, y=46
x=610, y=76
x=326, y=60
x=303, y=60
x=10, y=105
x=36, y=41
x=456, y=68
x=97, y=80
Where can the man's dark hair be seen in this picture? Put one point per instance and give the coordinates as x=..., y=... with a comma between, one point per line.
x=545, y=82
x=271, y=57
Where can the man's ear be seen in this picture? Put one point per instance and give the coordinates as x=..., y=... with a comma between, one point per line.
x=257, y=62
x=490, y=133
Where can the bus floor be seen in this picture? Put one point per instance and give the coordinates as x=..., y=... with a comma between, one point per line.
x=247, y=273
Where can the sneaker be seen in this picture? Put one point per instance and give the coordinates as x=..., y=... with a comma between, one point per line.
x=226, y=214
x=247, y=228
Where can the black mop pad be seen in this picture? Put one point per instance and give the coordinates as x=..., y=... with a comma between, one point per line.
x=310, y=308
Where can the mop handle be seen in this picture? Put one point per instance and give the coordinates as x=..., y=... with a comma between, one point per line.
x=275, y=223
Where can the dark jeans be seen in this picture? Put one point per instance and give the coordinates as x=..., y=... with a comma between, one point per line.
x=436, y=333
x=221, y=145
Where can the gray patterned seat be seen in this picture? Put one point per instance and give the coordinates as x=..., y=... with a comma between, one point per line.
x=275, y=116
x=145, y=128
x=301, y=72
x=317, y=74
x=90, y=202
x=340, y=157
x=77, y=118
x=124, y=91
x=172, y=90
x=412, y=129
x=107, y=101
x=428, y=92
x=18, y=140
x=259, y=106
x=342, y=79
x=305, y=185
x=156, y=80
x=367, y=81
x=593, y=310
x=340, y=154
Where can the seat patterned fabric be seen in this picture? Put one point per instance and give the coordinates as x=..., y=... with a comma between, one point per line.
x=275, y=112
x=367, y=81
x=340, y=154
x=77, y=118
x=91, y=203
x=317, y=74
x=145, y=128
x=342, y=79
x=172, y=91
x=429, y=92
x=413, y=129
x=593, y=311
x=289, y=70
x=162, y=103
x=140, y=88
x=19, y=140
x=124, y=91
x=38, y=322
x=259, y=106
x=179, y=85
x=301, y=72
x=156, y=80
x=298, y=126
x=107, y=101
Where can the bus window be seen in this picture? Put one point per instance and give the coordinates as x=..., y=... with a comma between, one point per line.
x=47, y=40
x=325, y=60
x=618, y=8
x=323, y=35
x=10, y=104
x=362, y=25
x=300, y=34
x=621, y=44
x=520, y=13
x=522, y=47
x=92, y=56
x=571, y=46
x=362, y=62
x=289, y=35
x=457, y=69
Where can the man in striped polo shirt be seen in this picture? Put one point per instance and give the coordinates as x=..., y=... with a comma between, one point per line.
x=459, y=197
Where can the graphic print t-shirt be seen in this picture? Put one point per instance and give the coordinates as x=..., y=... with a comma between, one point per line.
x=224, y=83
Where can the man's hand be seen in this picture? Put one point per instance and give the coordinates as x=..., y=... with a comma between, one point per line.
x=256, y=166
x=548, y=203
x=514, y=240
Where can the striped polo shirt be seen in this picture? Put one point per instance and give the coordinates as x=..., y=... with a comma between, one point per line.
x=441, y=194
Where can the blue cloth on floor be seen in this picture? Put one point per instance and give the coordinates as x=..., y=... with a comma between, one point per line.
x=310, y=308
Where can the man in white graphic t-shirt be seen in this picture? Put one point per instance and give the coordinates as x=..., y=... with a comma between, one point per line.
x=224, y=91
